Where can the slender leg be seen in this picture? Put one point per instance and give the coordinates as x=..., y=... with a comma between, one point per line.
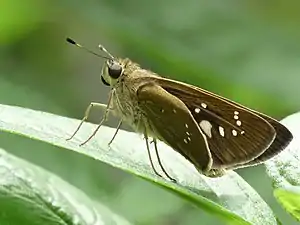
x=104, y=118
x=102, y=121
x=149, y=155
x=86, y=115
x=159, y=161
x=118, y=127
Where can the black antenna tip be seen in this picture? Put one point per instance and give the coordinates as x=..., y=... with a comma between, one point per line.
x=71, y=41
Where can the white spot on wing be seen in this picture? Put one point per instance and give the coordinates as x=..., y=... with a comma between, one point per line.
x=234, y=132
x=187, y=126
x=174, y=110
x=197, y=110
x=242, y=132
x=238, y=122
x=236, y=117
x=206, y=127
x=185, y=141
x=221, y=131
x=236, y=113
x=204, y=105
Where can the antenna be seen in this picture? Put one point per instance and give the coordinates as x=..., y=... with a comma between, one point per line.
x=104, y=50
x=71, y=41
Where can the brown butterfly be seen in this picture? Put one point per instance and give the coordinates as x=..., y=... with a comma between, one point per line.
x=213, y=133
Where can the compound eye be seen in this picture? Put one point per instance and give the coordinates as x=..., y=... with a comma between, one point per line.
x=104, y=81
x=114, y=70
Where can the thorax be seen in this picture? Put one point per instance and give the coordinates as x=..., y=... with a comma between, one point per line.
x=125, y=102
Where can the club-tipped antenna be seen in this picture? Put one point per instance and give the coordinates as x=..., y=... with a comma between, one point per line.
x=104, y=50
x=71, y=41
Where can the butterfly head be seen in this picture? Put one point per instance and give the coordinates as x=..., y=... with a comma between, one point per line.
x=115, y=69
x=111, y=72
x=112, y=69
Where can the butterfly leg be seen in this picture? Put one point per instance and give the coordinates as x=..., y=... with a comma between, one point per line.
x=115, y=134
x=86, y=115
x=160, y=163
x=149, y=155
x=104, y=118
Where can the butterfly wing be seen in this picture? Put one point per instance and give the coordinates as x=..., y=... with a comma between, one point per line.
x=234, y=134
x=282, y=139
x=184, y=135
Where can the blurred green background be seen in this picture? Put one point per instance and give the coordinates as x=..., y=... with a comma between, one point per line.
x=248, y=51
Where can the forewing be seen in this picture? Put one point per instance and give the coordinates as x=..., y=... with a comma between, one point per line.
x=282, y=139
x=171, y=121
x=234, y=134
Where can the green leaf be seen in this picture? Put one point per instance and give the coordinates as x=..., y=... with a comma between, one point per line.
x=285, y=170
x=19, y=18
x=289, y=200
x=229, y=197
x=31, y=195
